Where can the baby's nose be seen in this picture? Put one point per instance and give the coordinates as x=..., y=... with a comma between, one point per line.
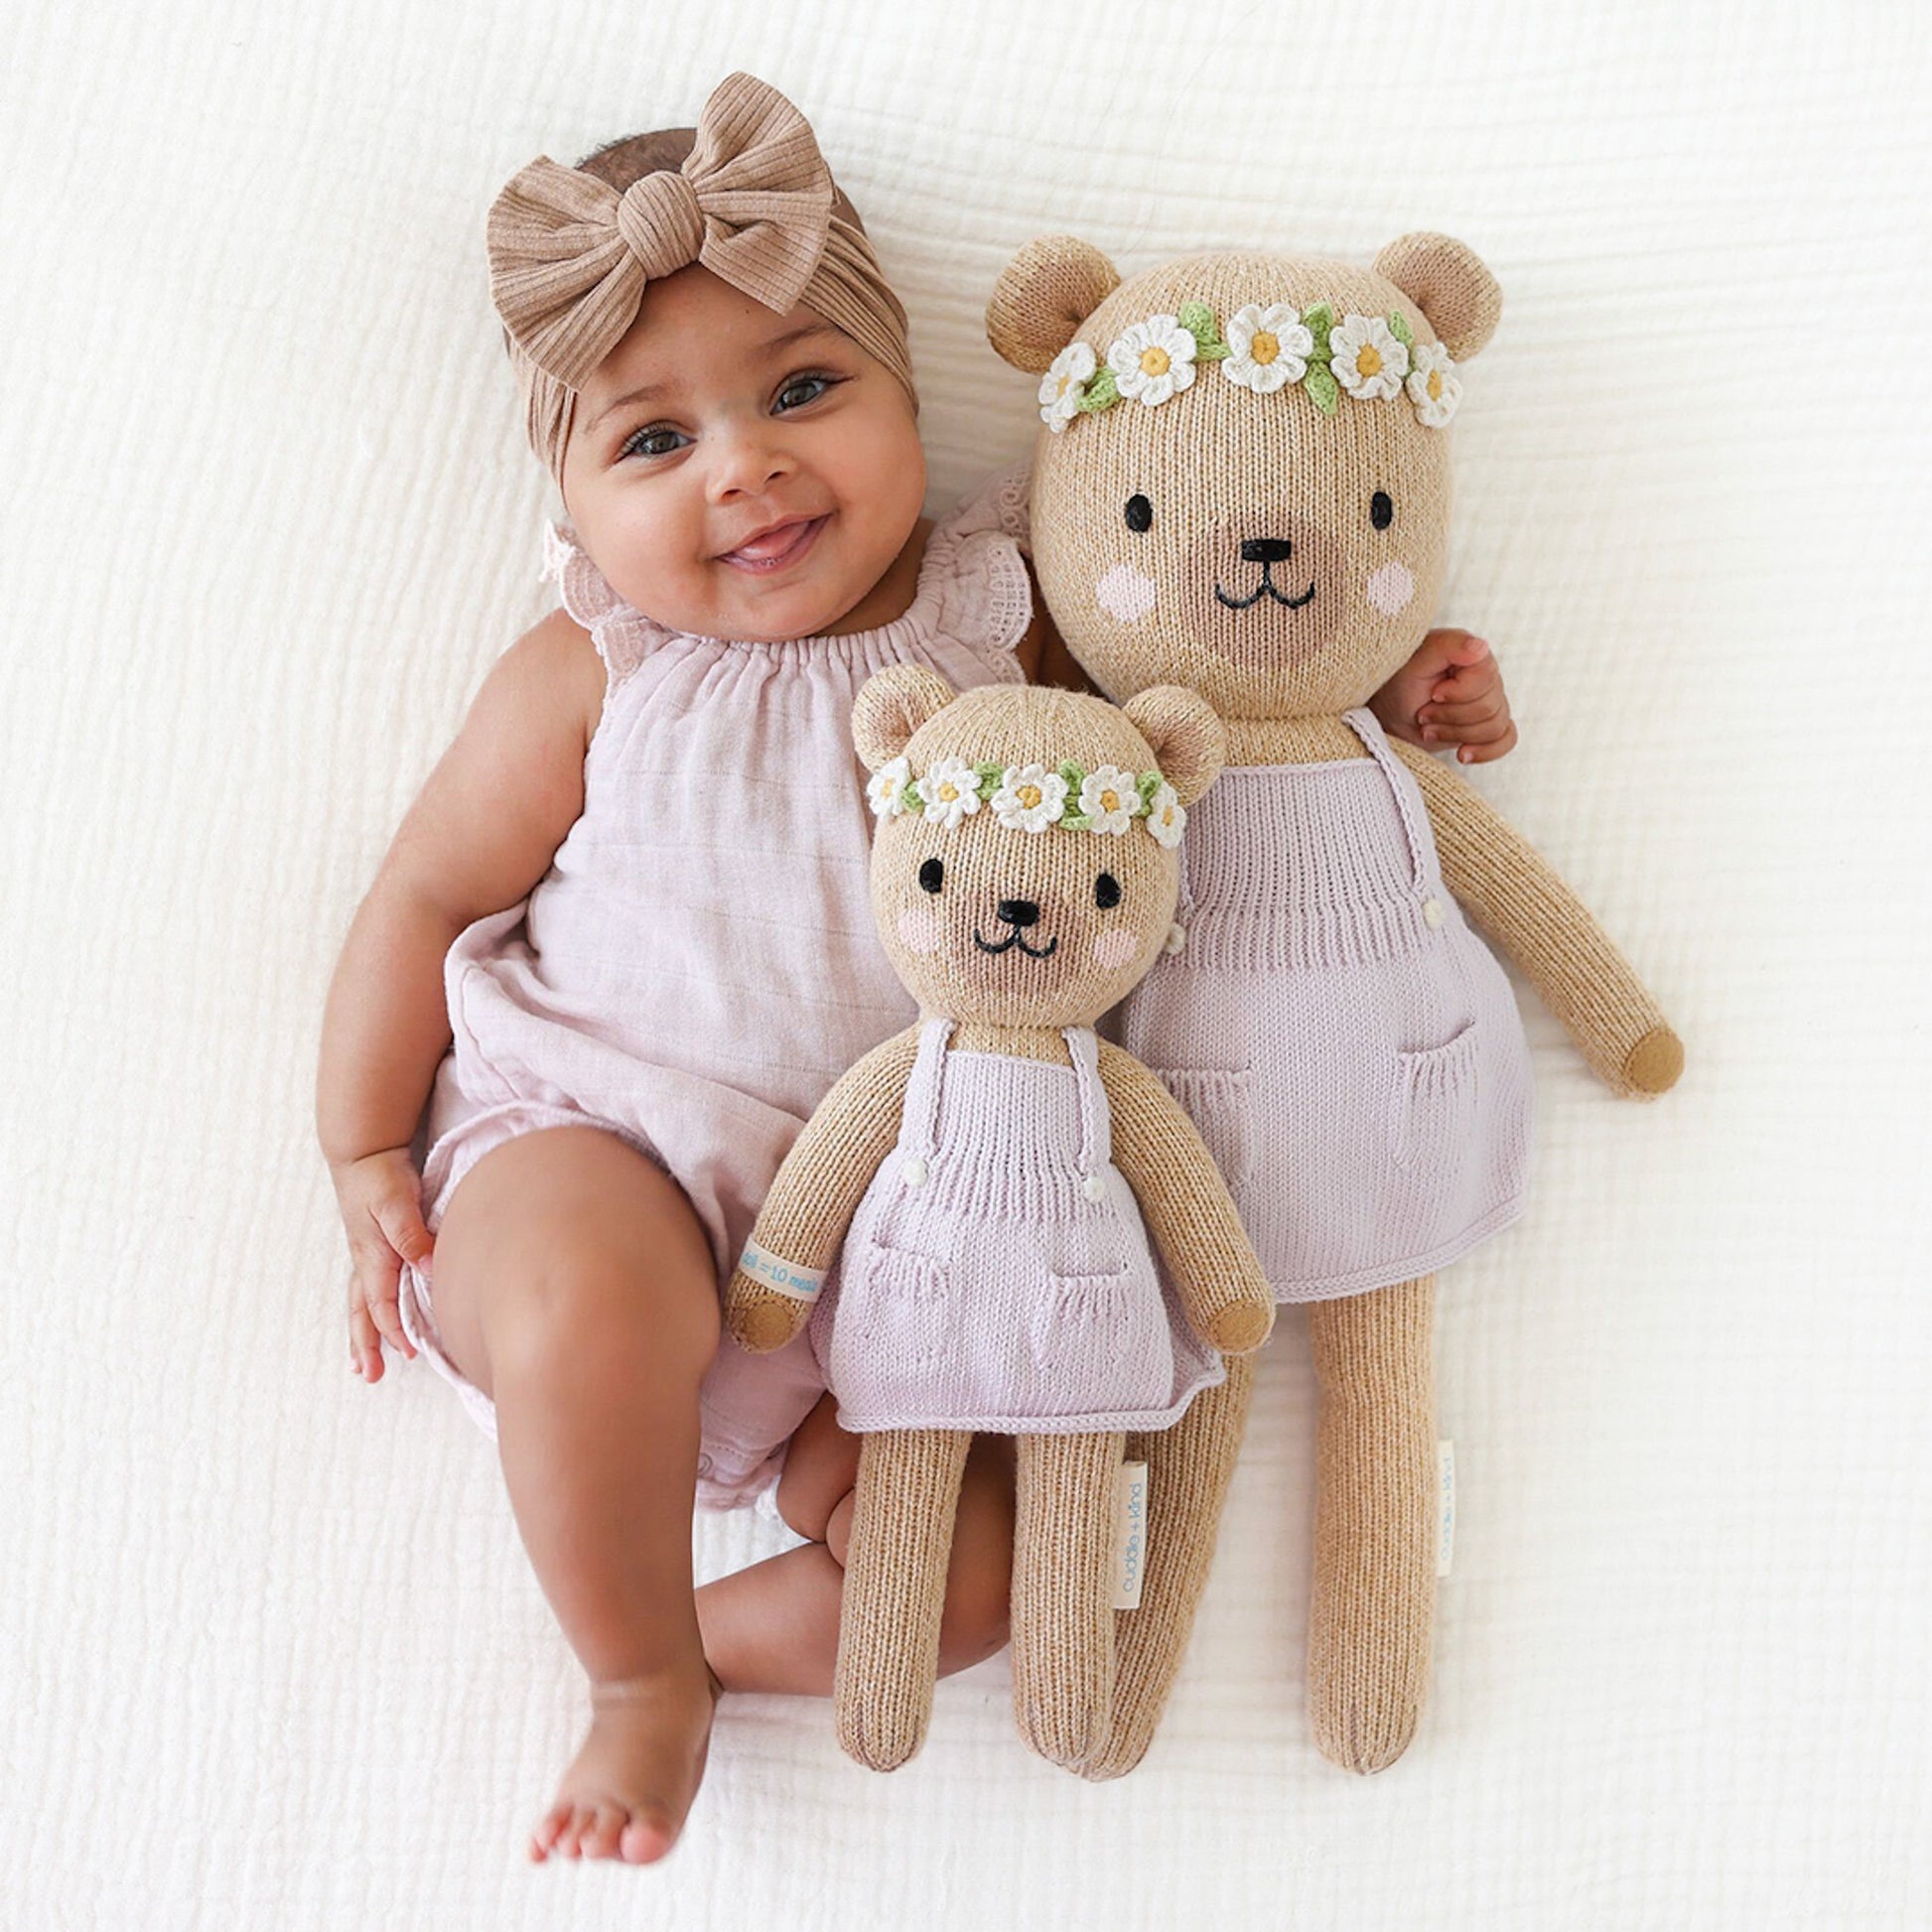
x=1019, y=912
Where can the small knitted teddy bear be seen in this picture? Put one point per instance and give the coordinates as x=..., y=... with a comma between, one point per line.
x=982, y=1179
x=1242, y=486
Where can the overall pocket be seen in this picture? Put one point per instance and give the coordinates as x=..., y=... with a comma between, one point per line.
x=1433, y=1102
x=1104, y=1337
x=904, y=1317
x=1220, y=1100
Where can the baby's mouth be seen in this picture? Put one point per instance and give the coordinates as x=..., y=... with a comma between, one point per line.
x=776, y=549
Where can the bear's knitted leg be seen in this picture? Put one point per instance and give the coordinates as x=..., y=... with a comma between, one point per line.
x=895, y=1563
x=1188, y=1471
x=1373, y=1605
x=1063, y=1592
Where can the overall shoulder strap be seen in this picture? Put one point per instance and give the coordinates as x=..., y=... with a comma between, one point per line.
x=918, y=1132
x=1407, y=793
x=1096, y=1123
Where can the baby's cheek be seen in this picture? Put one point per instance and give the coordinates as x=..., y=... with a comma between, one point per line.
x=1391, y=588
x=920, y=928
x=1124, y=593
x=1114, y=950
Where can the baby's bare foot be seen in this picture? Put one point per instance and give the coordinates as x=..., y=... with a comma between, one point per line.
x=625, y=1795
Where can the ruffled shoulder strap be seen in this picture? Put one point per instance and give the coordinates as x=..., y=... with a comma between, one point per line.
x=979, y=552
x=623, y=636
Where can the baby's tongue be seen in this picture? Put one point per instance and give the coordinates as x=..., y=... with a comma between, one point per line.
x=774, y=544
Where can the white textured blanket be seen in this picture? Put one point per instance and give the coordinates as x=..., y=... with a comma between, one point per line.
x=273, y=1656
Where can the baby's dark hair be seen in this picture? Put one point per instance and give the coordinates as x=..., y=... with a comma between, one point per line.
x=619, y=163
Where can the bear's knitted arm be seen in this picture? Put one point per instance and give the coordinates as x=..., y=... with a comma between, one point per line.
x=1187, y=1206
x=1516, y=894
x=817, y=1190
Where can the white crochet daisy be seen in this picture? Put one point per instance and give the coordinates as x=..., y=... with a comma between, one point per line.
x=1164, y=817
x=1064, y=385
x=1369, y=363
x=1434, y=387
x=1266, y=346
x=1107, y=798
x=1030, y=798
x=882, y=788
x=951, y=790
x=1154, y=359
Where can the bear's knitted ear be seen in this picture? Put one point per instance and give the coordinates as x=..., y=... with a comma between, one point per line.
x=892, y=705
x=1447, y=281
x=1186, y=734
x=1044, y=295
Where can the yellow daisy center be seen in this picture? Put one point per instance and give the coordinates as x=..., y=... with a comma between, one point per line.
x=1153, y=362
x=1368, y=360
x=1110, y=802
x=1264, y=349
x=1029, y=796
x=1435, y=385
x=948, y=791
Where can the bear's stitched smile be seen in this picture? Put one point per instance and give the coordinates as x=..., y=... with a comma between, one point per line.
x=1017, y=938
x=1266, y=589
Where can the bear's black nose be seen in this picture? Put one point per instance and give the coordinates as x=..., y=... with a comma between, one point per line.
x=1266, y=550
x=1019, y=912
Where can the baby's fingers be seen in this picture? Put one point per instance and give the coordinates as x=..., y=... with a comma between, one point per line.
x=1451, y=718
x=365, y=1344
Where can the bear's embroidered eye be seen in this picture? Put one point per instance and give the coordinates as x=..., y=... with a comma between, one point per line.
x=1381, y=509
x=1140, y=513
x=932, y=875
x=1106, y=892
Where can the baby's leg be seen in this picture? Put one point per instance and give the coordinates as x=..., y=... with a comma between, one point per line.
x=774, y=1625
x=575, y=1287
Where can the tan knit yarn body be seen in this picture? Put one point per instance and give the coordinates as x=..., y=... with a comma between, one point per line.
x=1010, y=930
x=1271, y=533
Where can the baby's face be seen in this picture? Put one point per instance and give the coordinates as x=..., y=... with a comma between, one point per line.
x=739, y=474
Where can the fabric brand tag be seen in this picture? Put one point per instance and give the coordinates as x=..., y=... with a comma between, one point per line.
x=1444, y=1507
x=1130, y=1536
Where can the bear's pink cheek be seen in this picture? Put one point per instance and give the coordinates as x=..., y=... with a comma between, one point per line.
x=1391, y=588
x=919, y=927
x=1124, y=593
x=1115, y=950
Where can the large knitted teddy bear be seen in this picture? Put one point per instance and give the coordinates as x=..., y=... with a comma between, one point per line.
x=1242, y=486
x=987, y=1181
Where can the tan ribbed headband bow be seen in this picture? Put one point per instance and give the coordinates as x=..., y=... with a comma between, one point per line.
x=569, y=256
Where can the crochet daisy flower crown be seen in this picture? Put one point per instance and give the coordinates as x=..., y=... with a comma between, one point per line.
x=1030, y=797
x=1267, y=347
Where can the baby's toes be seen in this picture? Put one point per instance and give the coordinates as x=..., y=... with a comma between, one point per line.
x=607, y=1823
x=648, y=1837
x=543, y=1841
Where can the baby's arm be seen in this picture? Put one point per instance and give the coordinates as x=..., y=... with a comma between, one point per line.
x=482, y=832
x=1448, y=693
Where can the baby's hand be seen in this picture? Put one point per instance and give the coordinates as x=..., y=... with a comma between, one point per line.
x=381, y=1203
x=1449, y=693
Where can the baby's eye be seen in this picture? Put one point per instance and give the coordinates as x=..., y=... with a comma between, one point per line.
x=1106, y=892
x=655, y=441
x=932, y=876
x=1381, y=509
x=1140, y=513
x=802, y=390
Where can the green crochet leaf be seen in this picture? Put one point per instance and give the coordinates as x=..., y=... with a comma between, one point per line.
x=1324, y=391
x=1102, y=392
x=1319, y=320
x=1077, y=822
x=1148, y=783
x=1400, y=329
x=1074, y=775
x=1198, y=321
x=908, y=796
x=990, y=776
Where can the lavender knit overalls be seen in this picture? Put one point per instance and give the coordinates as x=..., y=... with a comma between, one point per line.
x=1349, y=1049
x=997, y=1273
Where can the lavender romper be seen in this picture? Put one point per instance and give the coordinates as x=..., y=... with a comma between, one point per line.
x=1349, y=1049
x=996, y=1275
x=700, y=963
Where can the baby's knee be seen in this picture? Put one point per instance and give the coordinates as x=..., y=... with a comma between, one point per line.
x=976, y=1619
x=585, y=1305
